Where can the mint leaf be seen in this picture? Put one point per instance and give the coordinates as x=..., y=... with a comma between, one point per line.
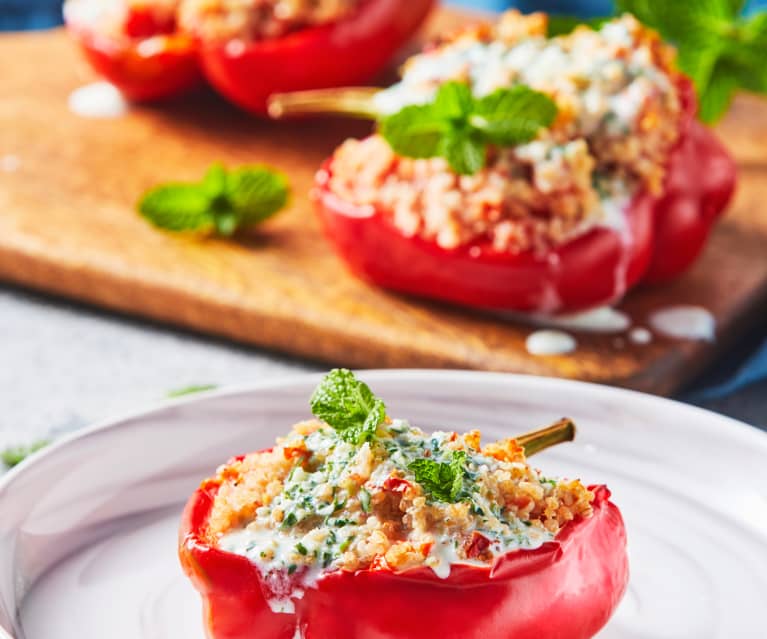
x=221, y=202
x=14, y=455
x=415, y=131
x=459, y=127
x=177, y=207
x=214, y=182
x=465, y=151
x=443, y=482
x=717, y=96
x=453, y=101
x=256, y=193
x=513, y=116
x=348, y=405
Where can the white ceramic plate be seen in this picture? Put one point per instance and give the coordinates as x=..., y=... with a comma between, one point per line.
x=88, y=528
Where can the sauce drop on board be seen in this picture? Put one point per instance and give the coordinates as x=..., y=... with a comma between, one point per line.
x=550, y=342
x=98, y=100
x=685, y=322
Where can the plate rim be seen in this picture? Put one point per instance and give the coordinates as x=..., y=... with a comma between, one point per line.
x=744, y=429
x=747, y=434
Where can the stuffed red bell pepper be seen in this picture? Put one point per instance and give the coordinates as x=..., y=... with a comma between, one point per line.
x=619, y=184
x=246, y=49
x=357, y=525
x=137, y=45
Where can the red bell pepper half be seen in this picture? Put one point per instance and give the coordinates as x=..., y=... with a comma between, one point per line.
x=663, y=236
x=567, y=588
x=148, y=61
x=156, y=61
x=348, y=51
x=700, y=183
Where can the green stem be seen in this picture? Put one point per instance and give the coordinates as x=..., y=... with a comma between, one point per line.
x=357, y=102
x=539, y=440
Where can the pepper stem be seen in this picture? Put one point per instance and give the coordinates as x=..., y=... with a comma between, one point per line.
x=355, y=102
x=539, y=440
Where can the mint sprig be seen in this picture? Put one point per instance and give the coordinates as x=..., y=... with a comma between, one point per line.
x=223, y=202
x=442, y=481
x=348, y=406
x=460, y=127
x=720, y=49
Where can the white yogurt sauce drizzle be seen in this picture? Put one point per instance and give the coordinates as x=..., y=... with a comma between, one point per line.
x=550, y=342
x=604, y=319
x=98, y=100
x=685, y=322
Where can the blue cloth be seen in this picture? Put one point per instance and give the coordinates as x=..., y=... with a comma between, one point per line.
x=17, y=15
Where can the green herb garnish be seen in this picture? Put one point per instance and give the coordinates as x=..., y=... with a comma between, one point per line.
x=562, y=25
x=301, y=549
x=348, y=405
x=443, y=482
x=223, y=202
x=364, y=498
x=720, y=49
x=14, y=455
x=190, y=390
x=459, y=127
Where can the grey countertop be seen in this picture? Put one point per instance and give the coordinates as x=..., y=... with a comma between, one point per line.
x=63, y=366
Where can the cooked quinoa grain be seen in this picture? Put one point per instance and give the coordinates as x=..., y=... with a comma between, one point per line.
x=317, y=503
x=210, y=20
x=248, y=20
x=619, y=117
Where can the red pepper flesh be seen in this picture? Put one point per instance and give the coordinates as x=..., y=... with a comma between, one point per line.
x=595, y=268
x=566, y=588
x=701, y=181
x=346, y=52
x=150, y=63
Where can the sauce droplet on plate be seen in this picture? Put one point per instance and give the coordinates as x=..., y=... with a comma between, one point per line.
x=685, y=322
x=548, y=342
x=98, y=100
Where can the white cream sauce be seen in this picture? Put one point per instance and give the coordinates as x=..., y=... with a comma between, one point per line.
x=604, y=319
x=685, y=322
x=99, y=100
x=550, y=342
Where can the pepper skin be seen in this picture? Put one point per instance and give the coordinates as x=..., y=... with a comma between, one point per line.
x=663, y=236
x=700, y=183
x=596, y=268
x=348, y=51
x=566, y=588
x=151, y=62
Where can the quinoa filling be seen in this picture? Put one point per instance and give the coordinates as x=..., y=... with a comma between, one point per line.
x=210, y=20
x=316, y=503
x=619, y=118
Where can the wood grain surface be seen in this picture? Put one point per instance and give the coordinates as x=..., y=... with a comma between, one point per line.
x=68, y=226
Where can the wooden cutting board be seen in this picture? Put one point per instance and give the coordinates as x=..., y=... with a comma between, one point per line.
x=68, y=226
